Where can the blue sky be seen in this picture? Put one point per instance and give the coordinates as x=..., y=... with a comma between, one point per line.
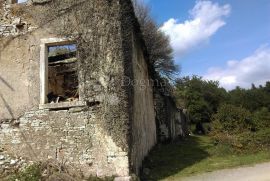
x=225, y=40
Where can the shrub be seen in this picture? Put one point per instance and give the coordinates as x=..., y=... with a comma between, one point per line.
x=262, y=118
x=240, y=129
x=232, y=119
x=51, y=171
x=31, y=173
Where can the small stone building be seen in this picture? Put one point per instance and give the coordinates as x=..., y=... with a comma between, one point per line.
x=75, y=85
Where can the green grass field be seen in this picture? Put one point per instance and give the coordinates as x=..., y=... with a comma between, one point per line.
x=194, y=155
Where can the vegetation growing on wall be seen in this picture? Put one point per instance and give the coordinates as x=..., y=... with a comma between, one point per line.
x=50, y=171
x=96, y=28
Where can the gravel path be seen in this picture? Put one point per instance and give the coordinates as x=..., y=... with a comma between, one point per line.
x=260, y=172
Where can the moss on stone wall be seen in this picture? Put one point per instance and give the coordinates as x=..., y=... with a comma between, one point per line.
x=96, y=27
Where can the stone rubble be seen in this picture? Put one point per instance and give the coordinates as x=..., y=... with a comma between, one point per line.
x=11, y=25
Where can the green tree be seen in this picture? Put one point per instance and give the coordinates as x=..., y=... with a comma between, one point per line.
x=200, y=97
x=251, y=99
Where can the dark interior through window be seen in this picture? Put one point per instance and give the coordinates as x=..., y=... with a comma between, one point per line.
x=62, y=74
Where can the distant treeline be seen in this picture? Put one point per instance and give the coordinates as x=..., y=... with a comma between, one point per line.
x=239, y=118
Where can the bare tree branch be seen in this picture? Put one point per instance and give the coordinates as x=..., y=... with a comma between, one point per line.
x=157, y=43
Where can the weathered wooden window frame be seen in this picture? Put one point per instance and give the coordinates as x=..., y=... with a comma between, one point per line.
x=44, y=51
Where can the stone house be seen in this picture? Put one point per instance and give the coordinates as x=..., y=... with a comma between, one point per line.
x=75, y=85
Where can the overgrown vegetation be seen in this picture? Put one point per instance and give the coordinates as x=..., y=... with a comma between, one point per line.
x=31, y=173
x=200, y=97
x=239, y=118
x=239, y=128
x=50, y=171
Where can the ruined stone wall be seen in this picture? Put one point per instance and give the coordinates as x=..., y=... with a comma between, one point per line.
x=72, y=137
x=177, y=120
x=140, y=89
x=171, y=121
x=11, y=21
x=116, y=130
x=143, y=124
x=95, y=142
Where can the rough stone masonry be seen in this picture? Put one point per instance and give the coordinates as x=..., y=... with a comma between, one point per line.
x=111, y=127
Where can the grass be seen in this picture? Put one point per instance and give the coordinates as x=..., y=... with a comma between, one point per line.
x=34, y=173
x=194, y=155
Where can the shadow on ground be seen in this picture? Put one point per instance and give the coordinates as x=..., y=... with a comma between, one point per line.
x=170, y=159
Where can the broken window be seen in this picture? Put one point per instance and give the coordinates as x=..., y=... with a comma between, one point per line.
x=18, y=1
x=62, y=74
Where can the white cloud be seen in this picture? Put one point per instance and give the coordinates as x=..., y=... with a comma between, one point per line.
x=206, y=19
x=253, y=69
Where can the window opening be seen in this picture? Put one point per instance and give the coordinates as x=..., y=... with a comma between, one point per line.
x=63, y=85
x=18, y=1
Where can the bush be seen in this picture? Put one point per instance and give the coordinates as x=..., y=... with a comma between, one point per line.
x=262, y=118
x=241, y=130
x=258, y=140
x=232, y=120
x=31, y=173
